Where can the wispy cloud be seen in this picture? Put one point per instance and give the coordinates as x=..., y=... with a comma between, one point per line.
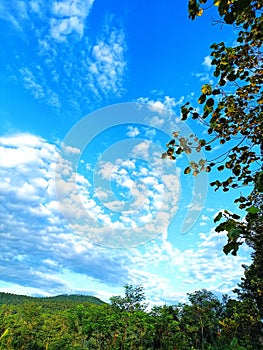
x=15, y=12
x=107, y=62
x=65, y=63
x=205, y=76
x=38, y=87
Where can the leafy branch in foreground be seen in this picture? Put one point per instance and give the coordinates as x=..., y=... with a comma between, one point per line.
x=232, y=111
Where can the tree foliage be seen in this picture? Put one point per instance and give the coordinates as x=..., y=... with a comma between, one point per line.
x=132, y=301
x=204, y=322
x=232, y=110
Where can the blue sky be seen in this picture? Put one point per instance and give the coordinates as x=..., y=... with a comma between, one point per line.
x=90, y=94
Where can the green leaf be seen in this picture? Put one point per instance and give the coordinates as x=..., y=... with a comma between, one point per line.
x=216, y=92
x=202, y=99
x=231, y=247
x=210, y=102
x=253, y=210
x=234, y=342
x=229, y=18
x=235, y=233
x=218, y=217
x=4, y=334
x=228, y=247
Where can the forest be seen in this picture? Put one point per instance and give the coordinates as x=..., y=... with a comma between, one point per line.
x=81, y=322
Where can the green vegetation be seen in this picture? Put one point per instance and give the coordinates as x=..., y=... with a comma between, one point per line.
x=14, y=299
x=70, y=322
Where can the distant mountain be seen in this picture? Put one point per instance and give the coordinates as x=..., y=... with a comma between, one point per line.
x=14, y=299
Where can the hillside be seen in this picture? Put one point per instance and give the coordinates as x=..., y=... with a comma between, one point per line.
x=15, y=299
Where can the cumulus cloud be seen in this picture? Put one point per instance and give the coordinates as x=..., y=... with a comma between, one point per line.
x=164, y=113
x=69, y=17
x=141, y=149
x=132, y=131
x=161, y=106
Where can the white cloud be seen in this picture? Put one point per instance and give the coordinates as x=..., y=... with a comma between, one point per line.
x=195, y=206
x=164, y=106
x=204, y=267
x=68, y=74
x=204, y=77
x=38, y=228
x=157, y=121
x=31, y=84
x=204, y=217
x=15, y=12
x=164, y=113
x=72, y=150
x=106, y=170
x=157, y=106
x=207, y=62
x=107, y=64
x=60, y=28
x=38, y=87
x=141, y=149
x=51, y=255
x=203, y=223
x=150, y=133
x=132, y=131
x=68, y=17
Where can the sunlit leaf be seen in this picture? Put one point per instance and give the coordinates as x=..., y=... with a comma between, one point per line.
x=4, y=334
x=187, y=170
x=253, y=210
x=200, y=12
x=206, y=89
